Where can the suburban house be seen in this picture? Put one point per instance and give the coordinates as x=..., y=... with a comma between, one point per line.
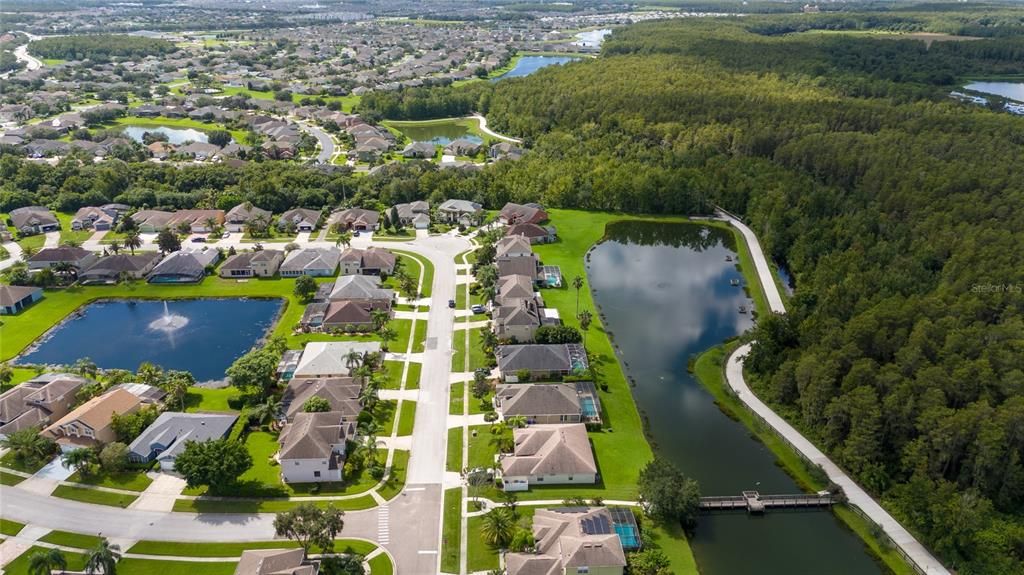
x=263, y=263
x=362, y=289
x=371, y=261
x=414, y=214
x=355, y=219
x=274, y=562
x=348, y=303
x=419, y=150
x=316, y=262
x=299, y=219
x=518, y=320
x=514, y=213
x=38, y=401
x=512, y=288
x=79, y=258
x=89, y=424
x=459, y=211
x=183, y=266
x=576, y=540
x=342, y=393
x=537, y=234
x=505, y=151
x=514, y=256
x=198, y=221
x=549, y=455
x=110, y=269
x=238, y=216
x=541, y=362
x=549, y=402
x=313, y=447
x=463, y=147
x=14, y=299
x=166, y=437
x=94, y=218
x=151, y=221
x=33, y=220
x=329, y=358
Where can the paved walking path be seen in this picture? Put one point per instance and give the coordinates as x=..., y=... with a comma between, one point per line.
x=918, y=554
x=492, y=133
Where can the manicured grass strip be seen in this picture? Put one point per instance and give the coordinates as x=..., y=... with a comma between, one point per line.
x=94, y=496
x=477, y=358
x=428, y=271
x=76, y=562
x=10, y=528
x=482, y=449
x=174, y=548
x=158, y=567
x=709, y=371
x=459, y=351
x=208, y=399
x=456, y=402
x=384, y=414
x=68, y=539
x=393, y=374
x=451, y=534
x=672, y=541
x=407, y=418
x=419, y=338
x=396, y=479
x=10, y=478
x=381, y=565
x=454, y=461
x=130, y=480
x=20, y=375
x=11, y=462
x=481, y=556
x=412, y=379
x=266, y=506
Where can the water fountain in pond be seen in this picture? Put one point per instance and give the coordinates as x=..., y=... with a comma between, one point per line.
x=168, y=322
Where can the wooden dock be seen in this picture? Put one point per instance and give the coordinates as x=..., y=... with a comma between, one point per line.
x=755, y=503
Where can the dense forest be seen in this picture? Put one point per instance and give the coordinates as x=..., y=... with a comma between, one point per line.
x=100, y=47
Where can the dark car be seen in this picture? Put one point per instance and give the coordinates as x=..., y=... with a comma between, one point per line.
x=451, y=303
x=199, y=240
x=478, y=309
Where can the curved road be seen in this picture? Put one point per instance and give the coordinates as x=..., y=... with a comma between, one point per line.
x=483, y=128
x=411, y=527
x=913, y=548
x=325, y=139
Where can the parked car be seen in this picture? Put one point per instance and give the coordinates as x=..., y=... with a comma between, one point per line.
x=199, y=240
x=477, y=308
x=226, y=235
x=355, y=234
x=451, y=303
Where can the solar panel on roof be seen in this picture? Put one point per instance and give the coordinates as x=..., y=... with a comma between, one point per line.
x=596, y=525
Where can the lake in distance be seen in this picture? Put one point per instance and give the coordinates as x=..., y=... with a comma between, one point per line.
x=439, y=134
x=118, y=334
x=1010, y=90
x=176, y=136
x=665, y=292
x=527, y=65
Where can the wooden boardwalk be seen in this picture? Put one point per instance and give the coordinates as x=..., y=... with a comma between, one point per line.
x=756, y=503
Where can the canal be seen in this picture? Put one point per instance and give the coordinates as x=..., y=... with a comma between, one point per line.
x=669, y=292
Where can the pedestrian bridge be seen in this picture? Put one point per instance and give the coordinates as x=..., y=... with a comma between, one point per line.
x=755, y=503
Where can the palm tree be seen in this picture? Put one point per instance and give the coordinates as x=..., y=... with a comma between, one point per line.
x=81, y=460
x=585, y=318
x=498, y=527
x=516, y=421
x=103, y=558
x=132, y=240
x=387, y=335
x=149, y=373
x=46, y=562
x=369, y=427
x=344, y=239
x=368, y=397
x=63, y=269
x=71, y=243
x=353, y=360
x=380, y=318
x=211, y=224
x=363, y=373
x=577, y=282
x=114, y=247
x=266, y=410
x=27, y=445
x=27, y=252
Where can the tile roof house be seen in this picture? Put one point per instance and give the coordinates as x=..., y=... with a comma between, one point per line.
x=263, y=263
x=14, y=299
x=549, y=455
x=541, y=361
x=92, y=217
x=419, y=150
x=38, y=401
x=166, y=437
x=198, y=221
x=537, y=234
x=517, y=319
x=514, y=287
x=238, y=216
x=34, y=220
x=89, y=424
x=459, y=211
x=151, y=221
x=317, y=262
x=80, y=258
x=371, y=261
x=415, y=214
x=327, y=358
x=545, y=403
x=362, y=289
x=303, y=220
x=463, y=147
x=505, y=151
x=355, y=219
x=513, y=213
x=313, y=447
x=108, y=269
x=274, y=562
x=342, y=393
x=184, y=266
x=571, y=541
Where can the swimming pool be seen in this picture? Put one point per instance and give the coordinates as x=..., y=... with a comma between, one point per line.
x=589, y=406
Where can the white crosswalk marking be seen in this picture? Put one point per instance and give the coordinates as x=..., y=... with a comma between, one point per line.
x=383, y=526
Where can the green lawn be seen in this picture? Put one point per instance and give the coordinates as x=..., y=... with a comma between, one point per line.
x=481, y=556
x=672, y=541
x=477, y=358
x=428, y=270
x=396, y=479
x=384, y=414
x=407, y=418
x=208, y=399
x=157, y=567
x=456, y=402
x=481, y=448
x=419, y=342
x=93, y=496
x=412, y=379
x=236, y=549
x=10, y=478
x=11, y=462
x=451, y=533
x=267, y=505
x=76, y=562
x=68, y=539
x=454, y=457
x=381, y=565
x=393, y=374
x=66, y=233
x=130, y=480
x=21, y=375
x=10, y=528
